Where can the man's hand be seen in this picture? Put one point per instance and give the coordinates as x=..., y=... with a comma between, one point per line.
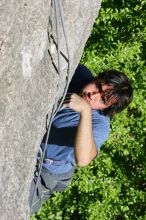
x=84, y=146
x=76, y=103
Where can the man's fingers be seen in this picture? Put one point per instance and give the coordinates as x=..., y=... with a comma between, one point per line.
x=66, y=101
x=68, y=98
x=72, y=101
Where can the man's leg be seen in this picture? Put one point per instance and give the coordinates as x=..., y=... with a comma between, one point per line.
x=64, y=180
x=46, y=184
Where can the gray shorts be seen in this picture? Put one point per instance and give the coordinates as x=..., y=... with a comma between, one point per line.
x=47, y=184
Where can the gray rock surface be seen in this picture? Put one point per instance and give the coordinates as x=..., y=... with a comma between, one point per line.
x=28, y=85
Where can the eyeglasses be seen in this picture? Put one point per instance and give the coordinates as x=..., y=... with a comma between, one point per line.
x=89, y=94
x=106, y=97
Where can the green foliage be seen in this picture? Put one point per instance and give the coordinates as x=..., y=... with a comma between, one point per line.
x=114, y=185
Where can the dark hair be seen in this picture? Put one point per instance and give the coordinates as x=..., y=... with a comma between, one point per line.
x=120, y=88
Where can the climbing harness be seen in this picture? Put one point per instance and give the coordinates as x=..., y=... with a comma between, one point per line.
x=56, y=107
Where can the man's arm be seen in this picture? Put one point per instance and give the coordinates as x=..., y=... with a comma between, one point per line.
x=85, y=148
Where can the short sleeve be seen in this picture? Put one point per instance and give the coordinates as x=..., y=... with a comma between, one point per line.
x=101, y=128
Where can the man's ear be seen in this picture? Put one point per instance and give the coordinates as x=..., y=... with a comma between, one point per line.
x=112, y=100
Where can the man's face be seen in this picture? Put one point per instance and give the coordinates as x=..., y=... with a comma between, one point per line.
x=95, y=98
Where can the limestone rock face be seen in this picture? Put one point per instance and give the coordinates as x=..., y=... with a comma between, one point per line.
x=28, y=85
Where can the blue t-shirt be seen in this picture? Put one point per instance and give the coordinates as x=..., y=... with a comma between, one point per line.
x=63, y=130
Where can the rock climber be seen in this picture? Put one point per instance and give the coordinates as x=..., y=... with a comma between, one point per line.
x=80, y=128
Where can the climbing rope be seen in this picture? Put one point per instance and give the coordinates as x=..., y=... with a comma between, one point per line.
x=56, y=107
